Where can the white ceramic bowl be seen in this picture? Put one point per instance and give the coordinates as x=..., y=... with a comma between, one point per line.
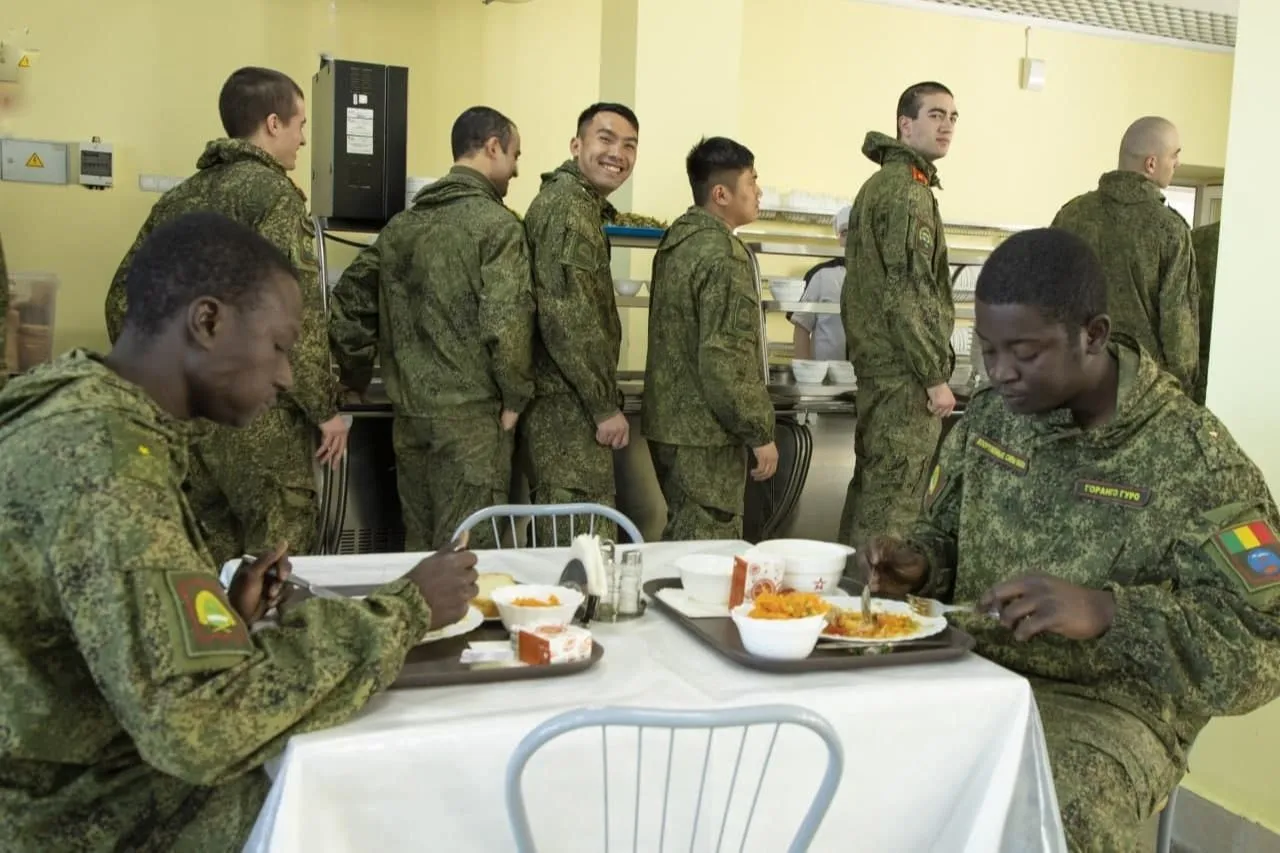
x=786, y=289
x=808, y=372
x=779, y=639
x=842, y=373
x=706, y=577
x=627, y=286
x=812, y=566
x=514, y=616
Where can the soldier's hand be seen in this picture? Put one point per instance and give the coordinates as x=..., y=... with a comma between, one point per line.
x=1037, y=604
x=942, y=401
x=333, y=440
x=447, y=581
x=891, y=566
x=766, y=461
x=260, y=586
x=614, y=431
x=509, y=420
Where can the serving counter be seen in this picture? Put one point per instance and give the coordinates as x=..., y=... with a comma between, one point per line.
x=360, y=505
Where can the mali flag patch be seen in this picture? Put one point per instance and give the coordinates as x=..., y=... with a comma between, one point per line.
x=1253, y=550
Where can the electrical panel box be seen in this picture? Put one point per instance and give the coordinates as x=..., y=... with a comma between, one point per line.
x=35, y=162
x=92, y=162
x=359, y=139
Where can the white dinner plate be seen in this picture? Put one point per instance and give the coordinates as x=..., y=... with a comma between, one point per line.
x=929, y=625
x=474, y=619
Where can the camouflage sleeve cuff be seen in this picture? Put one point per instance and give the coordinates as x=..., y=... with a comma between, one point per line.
x=417, y=611
x=939, y=579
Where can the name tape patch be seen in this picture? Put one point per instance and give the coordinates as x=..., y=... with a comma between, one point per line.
x=1113, y=493
x=1002, y=456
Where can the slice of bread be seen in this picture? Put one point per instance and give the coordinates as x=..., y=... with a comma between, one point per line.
x=488, y=582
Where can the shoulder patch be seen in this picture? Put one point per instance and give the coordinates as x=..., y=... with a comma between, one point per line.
x=139, y=454
x=918, y=175
x=582, y=250
x=937, y=481
x=1252, y=550
x=206, y=626
x=1001, y=456
x=1135, y=497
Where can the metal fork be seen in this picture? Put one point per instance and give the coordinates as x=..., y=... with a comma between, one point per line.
x=932, y=607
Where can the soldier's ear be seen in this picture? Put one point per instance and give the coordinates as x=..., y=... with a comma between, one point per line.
x=206, y=318
x=1097, y=334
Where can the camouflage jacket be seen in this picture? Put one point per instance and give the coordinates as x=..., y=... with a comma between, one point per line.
x=445, y=301
x=579, y=335
x=1205, y=241
x=1159, y=506
x=703, y=381
x=132, y=689
x=1145, y=249
x=5, y=367
x=244, y=183
x=896, y=304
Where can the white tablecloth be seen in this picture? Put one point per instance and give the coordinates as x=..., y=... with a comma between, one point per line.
x=939, y=757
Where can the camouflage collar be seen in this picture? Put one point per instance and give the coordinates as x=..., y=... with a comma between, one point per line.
x=1138, y=374
x=1129, y=187
x=883, y=149
x=569, y=168
x=224, y=151
x=473, y=178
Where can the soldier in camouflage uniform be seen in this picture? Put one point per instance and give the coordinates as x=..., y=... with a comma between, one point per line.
x=1145, y=247
x=1205, y=242
x=706, y=399
x=444, y=297
x=898, y=316
x=251, y=488
x=1127, y=543
x=575, y=421
x=138, y=709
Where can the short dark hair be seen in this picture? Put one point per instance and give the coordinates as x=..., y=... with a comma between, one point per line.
x=251, y=95
x=476, y=126
x=1049, y=269
x=912, y=99
x=194, y=255
x=585, y=117
x=712, y=161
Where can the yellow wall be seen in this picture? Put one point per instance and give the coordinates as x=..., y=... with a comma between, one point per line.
x=798, y=82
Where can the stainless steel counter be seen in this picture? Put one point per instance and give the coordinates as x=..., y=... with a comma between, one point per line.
x=361, y=506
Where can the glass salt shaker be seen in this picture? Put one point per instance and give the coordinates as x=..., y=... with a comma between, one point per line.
x=629, y=584
x=607, y=610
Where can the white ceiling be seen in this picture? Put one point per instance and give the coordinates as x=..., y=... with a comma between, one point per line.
x=1222, y=7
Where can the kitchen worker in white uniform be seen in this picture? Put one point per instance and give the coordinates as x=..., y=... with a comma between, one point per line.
x=821, y=336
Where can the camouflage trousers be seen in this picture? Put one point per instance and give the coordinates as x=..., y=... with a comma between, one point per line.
x=1111, y=772
x=253, y=488
x=446, y=469
x=564, y=464
x=704, y=488
x=893, y=441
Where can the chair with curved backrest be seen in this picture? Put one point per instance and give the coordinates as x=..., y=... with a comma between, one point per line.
x=770, y=716
x=588, y=513
x=1164, y=831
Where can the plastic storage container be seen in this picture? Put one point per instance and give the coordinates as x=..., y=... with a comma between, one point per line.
x=33, y=296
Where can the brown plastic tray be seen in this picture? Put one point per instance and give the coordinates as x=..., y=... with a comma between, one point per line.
x=438, y=665
x=721, y=634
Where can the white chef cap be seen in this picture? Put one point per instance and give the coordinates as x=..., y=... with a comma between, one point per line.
x=841, y=220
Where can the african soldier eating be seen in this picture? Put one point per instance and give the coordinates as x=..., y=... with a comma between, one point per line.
x=137, y=707
x=1127, y=546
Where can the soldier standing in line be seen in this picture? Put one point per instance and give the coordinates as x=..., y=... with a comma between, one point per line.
x=575, y=422
x=898, y=316
x=255, y=487
x=1145, y=248
x=444, y=296
x=1205, y=242
x=1127, y=545
x=138, y=708
x=5, y=367
x=706, y=399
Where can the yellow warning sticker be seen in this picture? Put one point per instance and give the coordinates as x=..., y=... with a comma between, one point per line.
x=34, y=161
x=24, y=62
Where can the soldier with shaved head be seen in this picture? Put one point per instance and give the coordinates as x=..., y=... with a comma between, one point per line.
x=1145, y=248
